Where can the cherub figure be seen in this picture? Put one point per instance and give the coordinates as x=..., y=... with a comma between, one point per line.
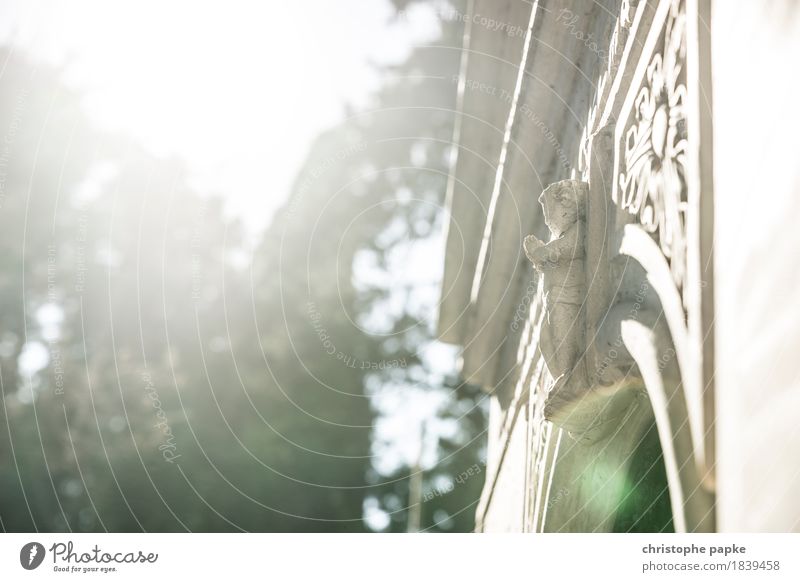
x=561, y=264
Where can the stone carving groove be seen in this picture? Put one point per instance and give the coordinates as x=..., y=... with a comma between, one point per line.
x=652, y=181
x=619, y=37
x=616, y=49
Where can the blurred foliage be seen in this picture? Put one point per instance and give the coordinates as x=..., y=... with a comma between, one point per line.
x=645, y=505
x=160, y=373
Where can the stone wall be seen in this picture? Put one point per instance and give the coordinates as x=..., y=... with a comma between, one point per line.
x=600, y=357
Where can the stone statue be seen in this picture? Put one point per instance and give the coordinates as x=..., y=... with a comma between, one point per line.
x=561, y=264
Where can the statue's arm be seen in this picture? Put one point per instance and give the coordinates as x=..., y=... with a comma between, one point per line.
x=565, y=248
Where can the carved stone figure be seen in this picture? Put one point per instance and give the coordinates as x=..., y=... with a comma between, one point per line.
x=561, y=264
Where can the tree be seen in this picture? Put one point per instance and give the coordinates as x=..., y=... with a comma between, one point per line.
x=159, y=374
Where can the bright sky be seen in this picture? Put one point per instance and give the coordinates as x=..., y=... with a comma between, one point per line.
x=237, y=89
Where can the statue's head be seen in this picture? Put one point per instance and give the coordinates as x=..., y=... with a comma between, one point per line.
x=563, y=204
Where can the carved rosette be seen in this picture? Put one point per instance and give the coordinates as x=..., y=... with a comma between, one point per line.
x=652, y=181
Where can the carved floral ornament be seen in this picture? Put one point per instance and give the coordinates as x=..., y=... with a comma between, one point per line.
x=652, y=183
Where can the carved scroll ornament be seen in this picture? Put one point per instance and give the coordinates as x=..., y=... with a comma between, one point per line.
x=652, y=181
